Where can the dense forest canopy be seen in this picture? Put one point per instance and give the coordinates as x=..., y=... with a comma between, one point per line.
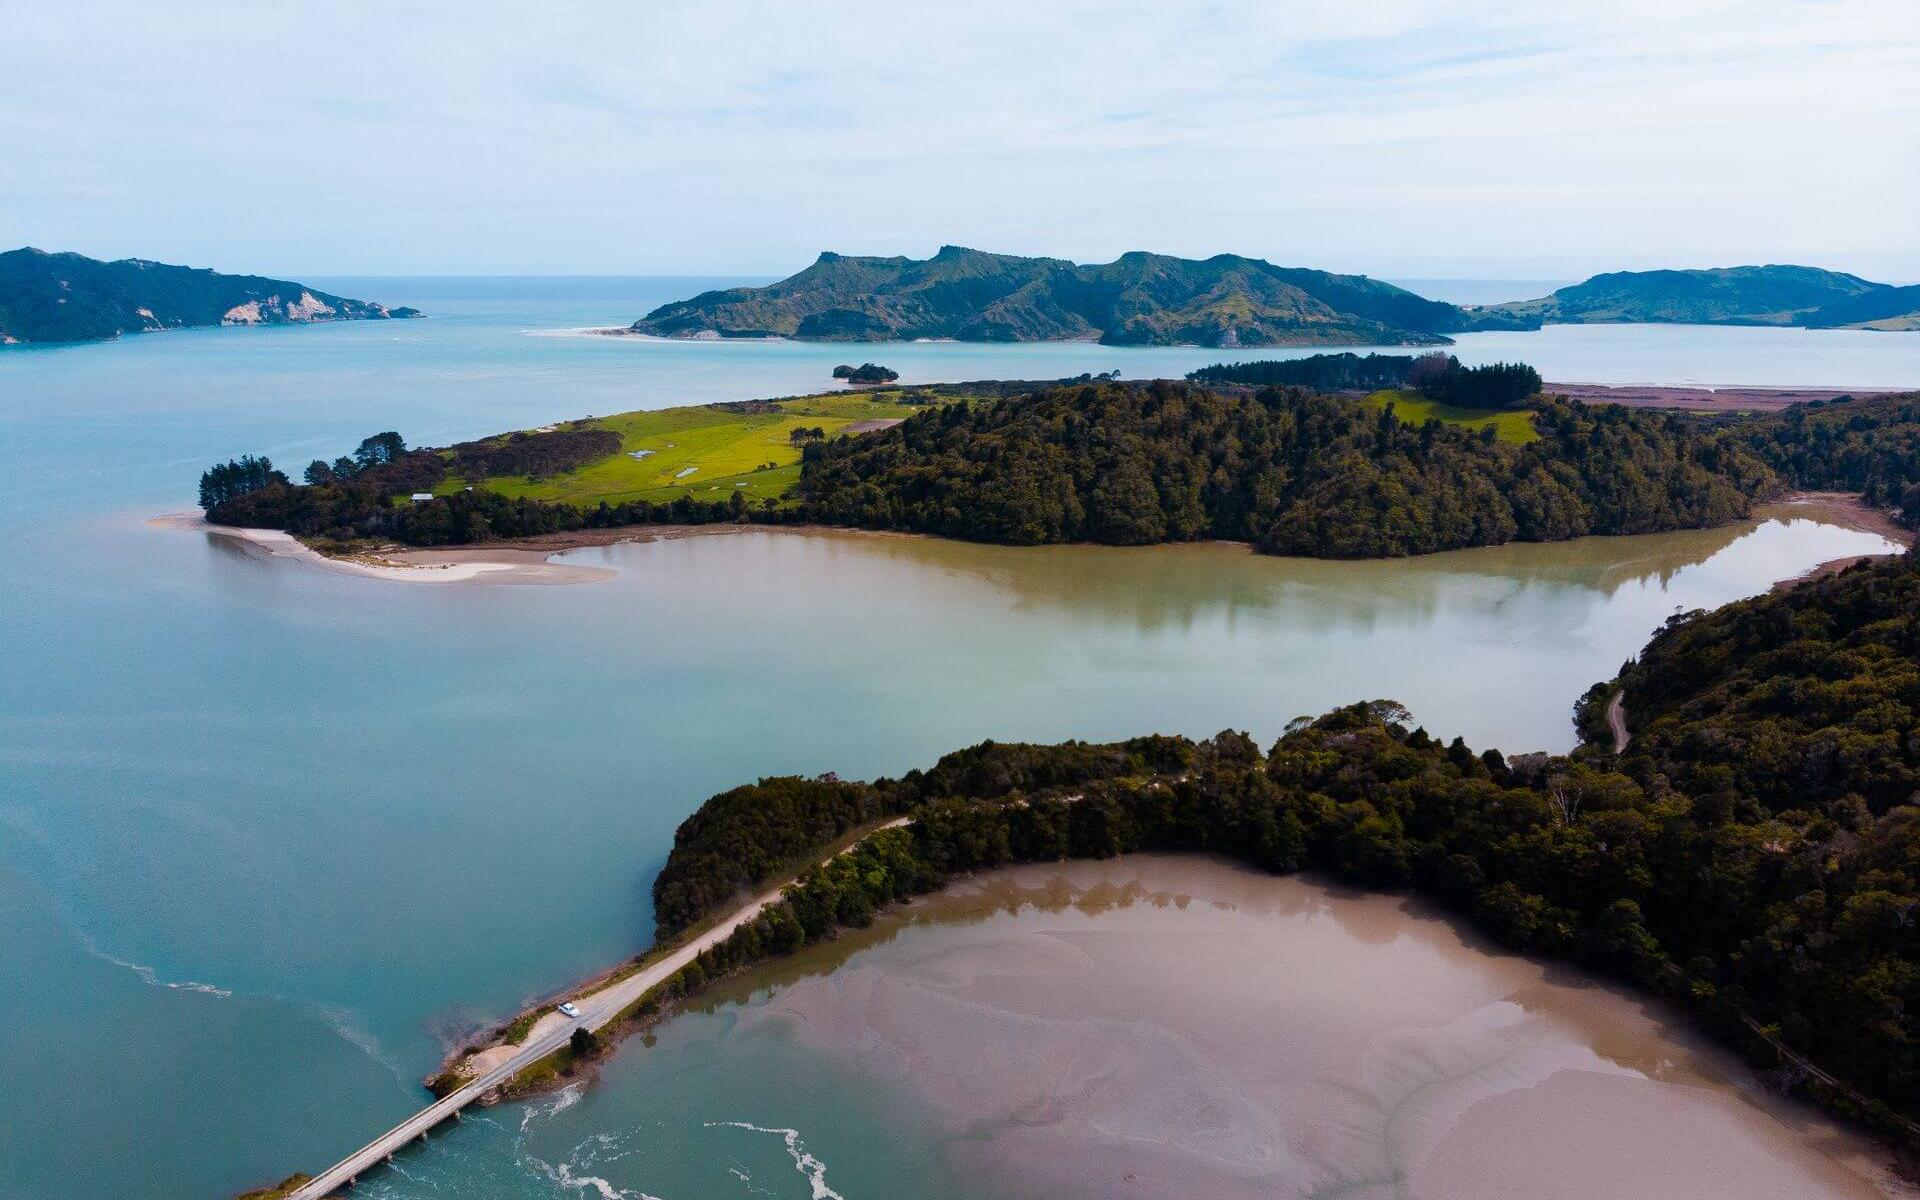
x=1437, y=376
x=1790, y=725
x=1442, y=377
x=1869, y=444
x=1754, y=857
x=237, y=477
x=1291, y=471
x=865, y=373
x=1341, y=372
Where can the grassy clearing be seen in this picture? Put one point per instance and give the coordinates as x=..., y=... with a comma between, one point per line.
x=1515, y=427
x=707, y=451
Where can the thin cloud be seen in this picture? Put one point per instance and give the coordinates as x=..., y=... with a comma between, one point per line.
x=1401, y=138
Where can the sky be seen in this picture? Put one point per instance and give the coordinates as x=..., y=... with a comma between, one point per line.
x=1399, y=138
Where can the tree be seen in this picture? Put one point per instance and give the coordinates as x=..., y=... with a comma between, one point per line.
x=319, y=472
x=1430, y=371
x=583, y=1042
x=1440, y=377
x=237, y=477
x=380, y=449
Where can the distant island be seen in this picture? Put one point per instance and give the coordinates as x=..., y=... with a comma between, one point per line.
x=1767, y=295
x=866, y=374
x=1139, y=299
x=48, y=297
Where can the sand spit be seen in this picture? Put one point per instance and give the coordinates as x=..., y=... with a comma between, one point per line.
x=497, y=564
x=517, y=560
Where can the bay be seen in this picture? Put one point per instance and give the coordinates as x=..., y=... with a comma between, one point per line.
x=270, y=837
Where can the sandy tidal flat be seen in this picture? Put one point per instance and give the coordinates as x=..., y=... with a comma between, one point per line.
x=1177, y=1026
x=488, y=565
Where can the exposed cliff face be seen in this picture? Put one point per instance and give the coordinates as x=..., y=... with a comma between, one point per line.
x=1138, y=299
x=1768, y=295
x=72, y=298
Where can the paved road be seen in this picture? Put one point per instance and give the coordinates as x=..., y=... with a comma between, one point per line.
x=596, y=1010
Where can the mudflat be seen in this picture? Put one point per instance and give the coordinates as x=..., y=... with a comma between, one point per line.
x=1704, y=399
x=1176, y=1025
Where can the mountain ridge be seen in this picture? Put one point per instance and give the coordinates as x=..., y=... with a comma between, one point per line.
x=1139, y=298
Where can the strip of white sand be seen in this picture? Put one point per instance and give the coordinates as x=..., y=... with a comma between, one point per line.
x=500, y=565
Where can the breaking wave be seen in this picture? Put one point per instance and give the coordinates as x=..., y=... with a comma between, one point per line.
x=803, y=1162
x=152, y=976
x=562, y=1100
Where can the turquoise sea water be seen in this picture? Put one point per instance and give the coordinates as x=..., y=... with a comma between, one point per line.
x=269, y=837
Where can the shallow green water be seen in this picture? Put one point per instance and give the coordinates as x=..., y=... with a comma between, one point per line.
x=269, y=837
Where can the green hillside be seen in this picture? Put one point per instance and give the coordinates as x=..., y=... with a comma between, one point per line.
x=1138, y=299
x=705, y=451
x=1768, y=295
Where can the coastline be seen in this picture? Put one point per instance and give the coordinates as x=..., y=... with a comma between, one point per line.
x=487, y=1050
x=1849, y=509
x=1731, y=398
x=528, y=560
x=1034, y=1019
x=1876, y=1153
x=619, y=991
x=497, y=564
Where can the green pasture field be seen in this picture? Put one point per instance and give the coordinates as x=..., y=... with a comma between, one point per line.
x=1513, y=426
x=706, y=451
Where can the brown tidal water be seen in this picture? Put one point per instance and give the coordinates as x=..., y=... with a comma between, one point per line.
x=1180, y=1026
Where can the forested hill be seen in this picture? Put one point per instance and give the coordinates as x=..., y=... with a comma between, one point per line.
x=1866, y=444
x=1768, y=295
x=72, y=298
x=1291, y=471
x=1787, y=729
x=1137, y=300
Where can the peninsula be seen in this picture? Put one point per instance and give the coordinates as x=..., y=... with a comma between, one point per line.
x=1724, y=858
x=1451, y=458
x=48, y=297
